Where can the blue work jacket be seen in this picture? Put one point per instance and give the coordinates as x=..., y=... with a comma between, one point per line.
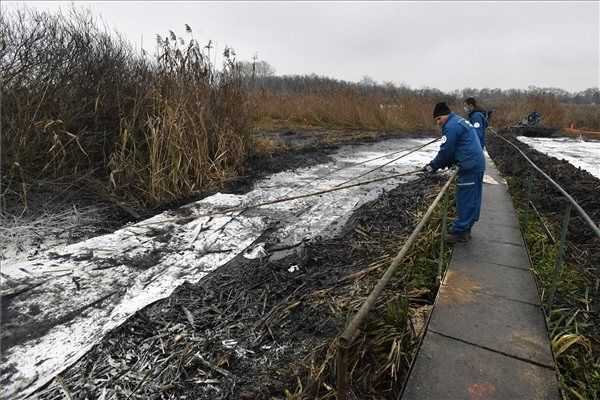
x=479, y=121
x=460, y=146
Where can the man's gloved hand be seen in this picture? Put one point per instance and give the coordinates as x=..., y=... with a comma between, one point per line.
x=427, y=169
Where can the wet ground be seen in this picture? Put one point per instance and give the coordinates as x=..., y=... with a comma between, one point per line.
x=247, y=330
x=71, y=209
x=56, y=306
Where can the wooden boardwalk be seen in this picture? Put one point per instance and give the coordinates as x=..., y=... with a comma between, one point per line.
x=487, y=337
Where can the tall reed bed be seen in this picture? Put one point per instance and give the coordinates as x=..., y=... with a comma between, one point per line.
x=78, y=100
x=189, y=127
x=315, y=101
x=346, y=108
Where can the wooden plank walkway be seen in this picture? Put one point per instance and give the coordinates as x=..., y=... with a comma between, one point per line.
x=487, y=336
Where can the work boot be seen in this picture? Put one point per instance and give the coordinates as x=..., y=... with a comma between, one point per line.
x=462, y=237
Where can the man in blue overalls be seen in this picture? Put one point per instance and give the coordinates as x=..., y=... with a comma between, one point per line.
x=460, y=146
x=477, y=117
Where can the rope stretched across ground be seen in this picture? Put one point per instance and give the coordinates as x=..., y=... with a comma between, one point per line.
x=410, y=151
x=318, y=193
x=336, y=188
x=284, y=199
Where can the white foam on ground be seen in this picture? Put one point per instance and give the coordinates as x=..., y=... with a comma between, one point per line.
x=140, y=264
x=581, y=154
x=489, y=180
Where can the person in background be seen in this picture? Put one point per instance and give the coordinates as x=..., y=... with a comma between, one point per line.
x=477, y=117
x=460, y=146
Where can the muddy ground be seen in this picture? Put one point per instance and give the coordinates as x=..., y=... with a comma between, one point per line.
x=248, y=329
x=72, y=209
x=295, y=150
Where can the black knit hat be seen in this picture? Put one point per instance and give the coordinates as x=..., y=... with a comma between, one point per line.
x=441, y=109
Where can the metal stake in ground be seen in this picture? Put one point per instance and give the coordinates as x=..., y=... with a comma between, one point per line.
x=529, y=187
x=560, y=255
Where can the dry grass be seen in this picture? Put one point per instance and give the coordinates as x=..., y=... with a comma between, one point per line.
x=352, y=109
x=514, y=108
x=79, y=100
x=342, y=109
x=571, y=323
x=265, y=146
x=188, y=130
x=583, y=116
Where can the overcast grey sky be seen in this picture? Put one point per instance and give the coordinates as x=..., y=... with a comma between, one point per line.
x=448, y=45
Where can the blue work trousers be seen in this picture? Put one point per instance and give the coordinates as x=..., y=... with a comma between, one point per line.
x=468, y=200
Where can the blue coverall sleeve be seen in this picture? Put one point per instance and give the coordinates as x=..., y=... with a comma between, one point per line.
x=479, y=122
x=445, y=156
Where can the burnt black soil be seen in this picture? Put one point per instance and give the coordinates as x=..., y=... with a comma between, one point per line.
x=245, y=330
x=534, y=131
